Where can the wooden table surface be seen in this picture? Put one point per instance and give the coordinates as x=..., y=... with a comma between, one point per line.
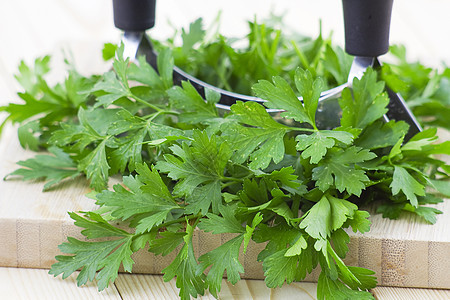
x=32, y=28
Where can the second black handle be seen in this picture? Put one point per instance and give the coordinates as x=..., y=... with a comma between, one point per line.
x=134, y=15
x=367, y=25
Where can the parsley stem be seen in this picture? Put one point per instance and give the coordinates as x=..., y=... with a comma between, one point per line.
x=303, y=129
x=142, y=101
x=199, y=216
x=234, y=179
x=223, y=79
x=179, y=220
x=372, y=183
x=228, y=184
x=151, y=117
x=303, y=60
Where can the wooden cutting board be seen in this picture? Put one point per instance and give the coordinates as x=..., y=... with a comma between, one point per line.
x=405, y=252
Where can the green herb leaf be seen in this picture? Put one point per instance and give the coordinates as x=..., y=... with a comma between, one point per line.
x=328, y=288
x=366, y=104
x=195, y=34
x=280, y=95
x=203, y=162
x=250, y=229
x=280, y=267
x=225, y=257
x=277, y=237
x=113, y=87
x=202, y=198
x=428, y=213
x=262, y=143
x=184, y=268
x=103, y=256
x=403, y=181
x=144, y=194
x=380, y=134
x=187, y=99
x=359, y=221
x=310, y=91
x=247, y=173
x=96, y=166
x=167, y=242
x=52, y=168
x=339, y=170
x=316, y=145
x=297, y=248
x=326, y=216
x=226, y=224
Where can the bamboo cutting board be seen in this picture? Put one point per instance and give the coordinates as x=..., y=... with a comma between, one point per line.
x=404, y=253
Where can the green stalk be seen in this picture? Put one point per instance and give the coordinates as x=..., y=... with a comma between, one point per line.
x=142, y=101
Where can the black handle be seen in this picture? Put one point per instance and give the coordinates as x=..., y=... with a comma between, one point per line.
x=134, y=15
x=367, y=24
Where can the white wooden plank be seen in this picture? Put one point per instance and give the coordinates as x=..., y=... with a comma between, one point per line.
x=134, y=287
x=388, y=293
x=37, y=284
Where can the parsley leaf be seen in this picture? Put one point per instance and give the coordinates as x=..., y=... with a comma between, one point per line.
x=280, y=95
x=184, y=268
x=195, y=34
x=202, y=198
x=366, y=104
x=297, y=247
x=27, y=135
x=403, y=181
x=225, y=224
x=425, y=90
x=113, y=87
x=250, y=229
x=30, y=77
x=277, y=237
x=262, y=142
x=201, y=163
x=328, y=288
x=316, y=145
x=380, y=134
x=166, y=242
x=337, y=62
x=52, y=168
x=359, y=221
x=287, y=179
x=96, y=166
x=31, y=107
x=281, y=264
x=279, y=268
x=339, y=170
x=144, y=194
x=195, y=108
x=326, y=216
x=224, y=257
x=310, y=90
x=128, y=153
x=102, y=256
x=46, y=105
x=428, y=213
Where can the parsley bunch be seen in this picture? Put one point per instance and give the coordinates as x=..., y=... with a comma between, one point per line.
x=186, y=166
x=426, y=90
x=268, y=49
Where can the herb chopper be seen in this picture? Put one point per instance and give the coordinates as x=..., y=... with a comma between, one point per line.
x=366, y=23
